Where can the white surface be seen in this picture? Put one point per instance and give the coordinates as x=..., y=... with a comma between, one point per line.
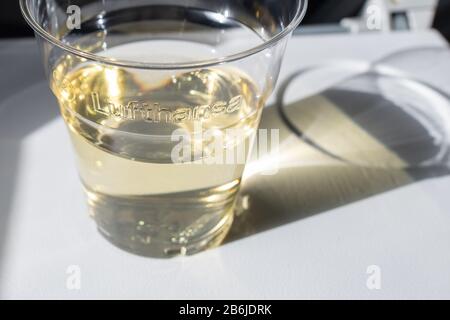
x=406, y=232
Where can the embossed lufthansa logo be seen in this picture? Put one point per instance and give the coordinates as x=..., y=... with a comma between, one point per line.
x=154, y=112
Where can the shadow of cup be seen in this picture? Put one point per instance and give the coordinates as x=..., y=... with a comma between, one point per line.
x=348, y=142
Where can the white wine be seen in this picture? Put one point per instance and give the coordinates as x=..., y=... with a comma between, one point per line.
x=121, y=123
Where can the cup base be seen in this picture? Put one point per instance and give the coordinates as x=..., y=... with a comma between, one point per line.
x=165, y=225
x=165, y=249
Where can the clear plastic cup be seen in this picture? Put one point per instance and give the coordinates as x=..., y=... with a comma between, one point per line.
x=134, y=78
